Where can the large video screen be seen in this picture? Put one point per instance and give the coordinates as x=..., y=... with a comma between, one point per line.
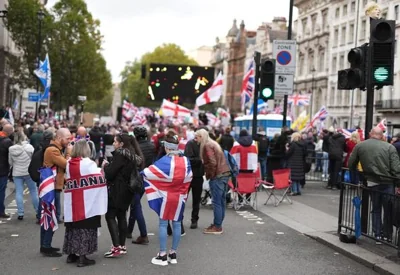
x=178, y=83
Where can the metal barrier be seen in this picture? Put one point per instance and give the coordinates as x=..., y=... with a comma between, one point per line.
x=378, y=210
x=317, y=169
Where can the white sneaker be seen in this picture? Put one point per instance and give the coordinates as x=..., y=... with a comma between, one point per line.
x=160, y=260
x=172, y=258
x=123, y=250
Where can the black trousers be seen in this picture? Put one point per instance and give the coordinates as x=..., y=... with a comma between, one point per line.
x=335, y=166
x=197, y=188
x=117, y=225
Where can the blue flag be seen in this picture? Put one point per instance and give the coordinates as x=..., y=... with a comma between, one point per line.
x=44, y=75
x=261, y=105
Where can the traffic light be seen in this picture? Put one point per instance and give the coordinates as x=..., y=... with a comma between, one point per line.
x=356, y=75
x=382, y=43
x=267, y=85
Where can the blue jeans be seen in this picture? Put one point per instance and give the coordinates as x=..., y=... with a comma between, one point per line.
x=263, y=166
x=176, y=234
x=19, y=193
x=325, y=164
x=296, y=187
x=218, y=187
x=136, y=214
x=57, y=204
x=379, y=200
x=3, y=187
x=46, y=236
x=318, y=165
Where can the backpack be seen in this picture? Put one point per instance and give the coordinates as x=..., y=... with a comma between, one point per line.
x=37, y=163
x=230, y=160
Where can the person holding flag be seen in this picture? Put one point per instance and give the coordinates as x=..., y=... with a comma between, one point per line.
x=167, y=184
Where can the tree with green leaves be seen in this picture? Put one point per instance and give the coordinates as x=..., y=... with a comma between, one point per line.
x=134, y=87
x=71, y=37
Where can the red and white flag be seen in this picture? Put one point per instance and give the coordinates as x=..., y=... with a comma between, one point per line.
x=85, y=195
x=171, y=109
x=213, y=120
x=382, y=125
x=246, y=157
x=213, y=94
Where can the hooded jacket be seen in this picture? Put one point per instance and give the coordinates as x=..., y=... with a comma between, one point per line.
x=19, y=157
x=336, y=145
x=118, y=174
x=5, y=144
x=245, y=153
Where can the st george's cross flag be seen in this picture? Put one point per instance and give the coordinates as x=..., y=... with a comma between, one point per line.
x=170, y=109
x=85, y=194
x=47, y=195
x=166, y=184
x=213, y=94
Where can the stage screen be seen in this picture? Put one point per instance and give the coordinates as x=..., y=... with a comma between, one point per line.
x=178, y=83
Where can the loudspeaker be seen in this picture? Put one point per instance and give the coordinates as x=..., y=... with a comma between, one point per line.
x=143, y=71
x=119, y=114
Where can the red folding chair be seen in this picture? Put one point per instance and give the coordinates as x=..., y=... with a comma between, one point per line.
x=246, y=183
x=282, y=183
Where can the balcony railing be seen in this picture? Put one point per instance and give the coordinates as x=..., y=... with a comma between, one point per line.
x=393, y=104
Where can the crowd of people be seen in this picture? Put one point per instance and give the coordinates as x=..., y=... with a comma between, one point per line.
x=109, y=159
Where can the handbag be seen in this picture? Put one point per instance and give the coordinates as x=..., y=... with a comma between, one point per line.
x=136, y=180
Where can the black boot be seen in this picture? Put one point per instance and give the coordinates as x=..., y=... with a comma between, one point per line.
x=193, y=225
x=83, y=261
x=72, y=258
x=49, y=252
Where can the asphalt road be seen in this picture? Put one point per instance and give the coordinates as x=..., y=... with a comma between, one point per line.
x=250, y=245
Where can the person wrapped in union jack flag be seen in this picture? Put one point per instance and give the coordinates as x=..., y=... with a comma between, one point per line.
x=167, y=184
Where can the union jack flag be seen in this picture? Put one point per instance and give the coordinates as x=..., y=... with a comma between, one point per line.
x=166, y=184
x=299, y=100
x=47, y=195
x=248, y=84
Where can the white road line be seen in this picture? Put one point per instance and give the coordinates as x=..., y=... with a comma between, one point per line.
x=257, y=219
x=14, y=235
x=260, y=222
x=150, y=234
x=249, y=233
x=280, y=233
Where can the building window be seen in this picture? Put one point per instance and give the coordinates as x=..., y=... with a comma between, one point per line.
x=324, y=19
x=343, y=36
x=301, y=67
x=313, y=23
x=341, y=62
x=337, y=12
x=353, y=6
x=336, y=37
x=311, y=62
x=332, y=96
x=351, y=34
x=365, y=2
x=396, y=12
x=363, y=29
x=334, y=65
x=321, y=63
x=304, y=24
x=344, y=10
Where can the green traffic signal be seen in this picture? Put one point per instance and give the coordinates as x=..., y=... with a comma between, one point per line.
x=266, y=93
x=381, y=74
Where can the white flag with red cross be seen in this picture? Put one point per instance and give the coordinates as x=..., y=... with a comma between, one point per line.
x=213, y=94
x=171, y=109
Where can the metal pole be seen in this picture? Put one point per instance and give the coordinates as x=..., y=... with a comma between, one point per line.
x=355, y=45
x=257, y=61
x=312, y=95
x=38, y=65
x=289, y=37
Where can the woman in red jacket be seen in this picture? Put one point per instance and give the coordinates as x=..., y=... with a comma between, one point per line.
x=350, y=144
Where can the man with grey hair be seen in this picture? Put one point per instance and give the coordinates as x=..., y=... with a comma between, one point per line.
x=5, y=144
x=379, y=161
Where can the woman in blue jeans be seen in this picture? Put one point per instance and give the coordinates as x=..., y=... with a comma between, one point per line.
x=167, y=184
x=19, y=157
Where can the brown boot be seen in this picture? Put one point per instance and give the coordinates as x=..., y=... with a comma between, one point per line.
x=141, y=240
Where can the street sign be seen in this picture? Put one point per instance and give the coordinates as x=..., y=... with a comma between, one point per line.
x=283, y=84
x=34, y=97
x=82, y=98
x=284, y=51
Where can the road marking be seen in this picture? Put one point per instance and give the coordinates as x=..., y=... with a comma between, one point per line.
x=260, y=222
x=249, y=233
x=257, y=219
x=150, y=234
x=14, y=235
x=280, y=233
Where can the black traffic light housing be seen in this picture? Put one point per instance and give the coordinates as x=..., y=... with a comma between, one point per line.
x=356, y=75
x=382, y=45
x=267, y=77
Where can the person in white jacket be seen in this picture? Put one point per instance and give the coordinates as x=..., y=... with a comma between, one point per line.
x=19, y=157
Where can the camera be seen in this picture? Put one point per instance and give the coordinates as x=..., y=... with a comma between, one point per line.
x=281, y=78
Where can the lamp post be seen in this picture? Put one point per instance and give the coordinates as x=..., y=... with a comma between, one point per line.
x=40, y=16
x=312, y=93
x=82, y=99
x=61, y=88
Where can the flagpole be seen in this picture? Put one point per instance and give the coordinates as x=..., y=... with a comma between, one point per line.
x=40, y=15
x=257, y=59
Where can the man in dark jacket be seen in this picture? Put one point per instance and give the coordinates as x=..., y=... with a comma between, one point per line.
x=192, y=151
x=37, y=136
x=226, y=140
x=396, y=142
x=5, y=144
x=147, y=147
x=95, y=136
x=336, y=145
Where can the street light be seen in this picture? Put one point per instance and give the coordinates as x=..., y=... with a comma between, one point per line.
x=40, y=16
x=61, y=88
x=312, y=93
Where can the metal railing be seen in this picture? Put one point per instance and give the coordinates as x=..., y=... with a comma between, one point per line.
x=318, y=172
x=378, y=209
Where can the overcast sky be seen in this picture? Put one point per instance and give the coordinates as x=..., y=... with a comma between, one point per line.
x=134, y=27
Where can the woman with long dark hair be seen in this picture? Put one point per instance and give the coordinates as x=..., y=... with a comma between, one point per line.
x=126, y=157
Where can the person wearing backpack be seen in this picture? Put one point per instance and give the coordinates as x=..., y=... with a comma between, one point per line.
x=19, y=158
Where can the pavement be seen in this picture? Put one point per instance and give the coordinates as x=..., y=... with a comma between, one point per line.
x=252, y=243
x=315, y=213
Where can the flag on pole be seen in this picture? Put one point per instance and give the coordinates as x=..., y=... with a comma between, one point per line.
x=213, y=94
x=171, y=109
x=299, y=100
x=44, y=75
x=248, y=84
x=321, y=115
